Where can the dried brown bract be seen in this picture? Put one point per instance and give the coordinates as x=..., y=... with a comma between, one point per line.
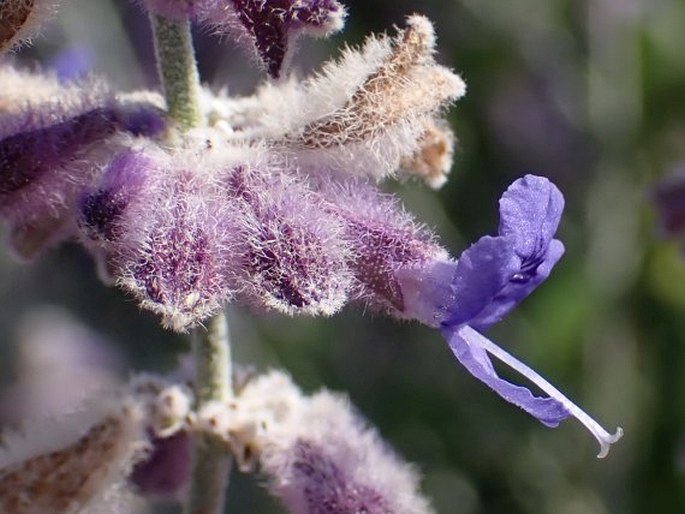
x=433, y=160
x=20, y=19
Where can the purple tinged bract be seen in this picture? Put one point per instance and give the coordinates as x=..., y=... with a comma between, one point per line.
x=382, y=237
x=289, y=253
x=101, y=209
x=273, y=26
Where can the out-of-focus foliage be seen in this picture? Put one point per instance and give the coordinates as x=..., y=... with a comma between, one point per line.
x=590, y=93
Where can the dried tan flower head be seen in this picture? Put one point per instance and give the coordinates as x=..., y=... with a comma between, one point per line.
x=386, y=113
x=407, y=84
x=433, y=160
x=67, y=478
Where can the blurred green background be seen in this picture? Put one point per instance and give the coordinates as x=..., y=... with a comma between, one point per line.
x=590, y=93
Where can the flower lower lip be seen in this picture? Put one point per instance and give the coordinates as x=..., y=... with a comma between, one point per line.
x=604, y=438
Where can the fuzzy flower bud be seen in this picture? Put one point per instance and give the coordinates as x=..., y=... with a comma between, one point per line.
x=329, y=461
x=319, y=455
x=383, y=238
x=228, y=224
x=169, y=257
x=293, y=256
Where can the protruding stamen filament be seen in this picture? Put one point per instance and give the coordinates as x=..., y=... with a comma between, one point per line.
x=604, y=438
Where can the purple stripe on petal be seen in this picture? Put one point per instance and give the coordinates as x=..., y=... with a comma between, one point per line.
x=475, y=359
x=520, y=285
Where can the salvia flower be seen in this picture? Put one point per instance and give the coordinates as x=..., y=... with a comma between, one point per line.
x=488, y=280
x=273, y=201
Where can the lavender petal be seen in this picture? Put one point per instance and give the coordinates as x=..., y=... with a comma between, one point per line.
x=549, y=411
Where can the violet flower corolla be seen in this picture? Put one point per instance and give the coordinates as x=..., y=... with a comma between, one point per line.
x=489, y=279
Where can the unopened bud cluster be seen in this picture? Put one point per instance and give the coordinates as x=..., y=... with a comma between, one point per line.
x=315, y=452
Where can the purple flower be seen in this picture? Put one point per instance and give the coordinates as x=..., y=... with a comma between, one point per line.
x=489, y=279
x=496, y=273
